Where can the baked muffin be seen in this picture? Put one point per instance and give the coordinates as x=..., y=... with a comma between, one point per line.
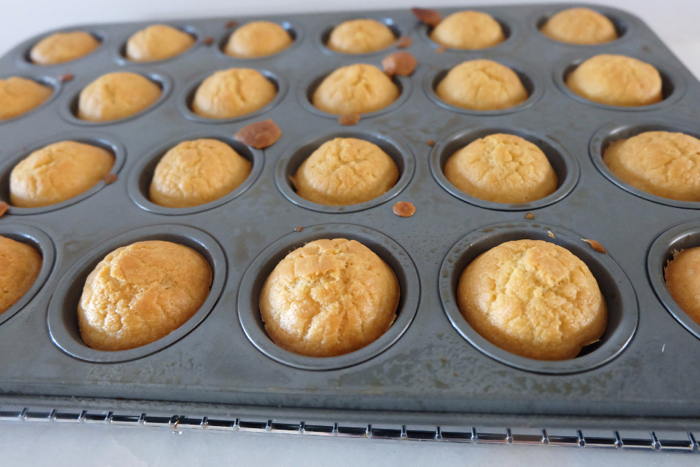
x=580, y=26
x=58, y=172
x=355, y=89
x=197, y=172
x=63, y=47
x=616, y=80
x=20, y=95
x=19, y=267
x=141, y=293
x=360, y=36
x=232, y=93
x=468, y=30
x=683, y=281
x=257, y=39
x=329, y=298
x=482, y=85
x=503, y=169
x=658, y=162
x=534, y=299
x=345, y=171
x=157, y=42
x=116, y=95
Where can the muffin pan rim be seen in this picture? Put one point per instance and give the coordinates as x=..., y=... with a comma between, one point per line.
x=221, y=42
x=290, y=155
x=322, y=33
x=608, y=351
x=75, y=277
x=257, y=272
x=119, y=53
x=45, y=79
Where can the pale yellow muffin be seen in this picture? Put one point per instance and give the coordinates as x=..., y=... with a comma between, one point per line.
x=482, y=85
x=503, y=169
x=20, y=95
x=157, y=42
x=658, y=162
x=58, y=172
x=257, y=39
x=345, y=171
x=19, y=267
x=355, y=89
x=232, y=93
x=141, y=293
x=580, y=26
x=116, y=95
x=63, y=47
x=534, y=299
x=616, y=80
x=468, y=30
x=329, y=298
x=197, y=172
x=360, y=36
x=683, y=281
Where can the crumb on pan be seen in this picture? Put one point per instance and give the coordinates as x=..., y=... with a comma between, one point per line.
x=551, y=234
x=67, y=77
x=427, y=16
x=399, y=63
x=440, y=49
x=403, y=42
x=348, y=120
x=529, y=215
x=3, y=208
x=298, y=229
x=110, y=178
x=404, y=209
x=208, y=40
x=259, y=135
x=231, y=24
x=595, y=245
x=431, y=142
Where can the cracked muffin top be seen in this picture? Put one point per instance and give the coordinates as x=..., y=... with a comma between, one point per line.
x=534, y=299
x=360, y=36
x=116, y=95
x=232, y=93
x=329, y=298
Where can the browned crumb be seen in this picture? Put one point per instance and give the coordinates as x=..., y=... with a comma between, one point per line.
x=259, y=135
x=399, y=63
x=403, y=42
x=348, y=120
x=232, y=24
x=595, y=245
x=551, y=234
x=298, y=229
x=427, y=16
x=67, y=77
x=208, y=40
x=529, y=215
x=110, y=178
x=431, y=142
x=404, y=209
x=3, y=208
x=440, y=49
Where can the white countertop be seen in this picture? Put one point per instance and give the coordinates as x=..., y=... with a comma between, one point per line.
x=42, y=443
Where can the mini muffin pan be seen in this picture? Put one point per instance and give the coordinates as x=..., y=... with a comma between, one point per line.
x=430, y=376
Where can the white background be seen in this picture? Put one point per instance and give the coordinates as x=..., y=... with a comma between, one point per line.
x=677, y=22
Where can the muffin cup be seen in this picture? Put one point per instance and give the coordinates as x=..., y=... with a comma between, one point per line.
x=62, y=316
x=120, y=53
x=661, y=252
x=294, y=32
x=532, y=84
x=565, y=166
x=508, y=25
x=22, y=55
x=69, y=111
x=612, y=132
x=324, y=33
x=616, y=288
x=289, y=164
x=41, y=243
x=54, y=83
x=139, y=182
x=387, y=249
x=104, y=141
x=622, y=27
x=184, y=101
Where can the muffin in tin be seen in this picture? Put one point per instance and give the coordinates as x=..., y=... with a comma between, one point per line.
x=63, y=47
x=157, y=42
x=468, y=30
x=581, y=26
x=257, y=39
x=354, y=90
x=20, y=95
x=360, y=36
x=116, y=95
x=20, y=265
x=233, y=93
x=683, y=281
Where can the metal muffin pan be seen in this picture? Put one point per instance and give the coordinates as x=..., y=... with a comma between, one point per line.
x=429, y=370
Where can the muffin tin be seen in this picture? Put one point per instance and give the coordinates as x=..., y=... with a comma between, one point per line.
x=430, y=376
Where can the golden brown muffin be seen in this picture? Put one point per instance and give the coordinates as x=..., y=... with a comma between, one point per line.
x=683, y=281
x=19, y=267
x=355, y=89
x=580, y=26
x=232, y=93
x=197, y=172
x=257, y=39
x=658, y=162
x=58, y=172
x=482, y=85
x=116, y=95
x=616, y=80
x=329, y=298
x=345, y=171
x=360, y=36
x=141, y=293
x=534, y=299
x=157, y=42
x=20, y=95
x=503, y=169
x=468, y=30
x=63, y=47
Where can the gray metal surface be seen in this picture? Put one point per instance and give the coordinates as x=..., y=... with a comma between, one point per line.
x=431, y=375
